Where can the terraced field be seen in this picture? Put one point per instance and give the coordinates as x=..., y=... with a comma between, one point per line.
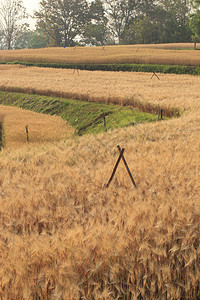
x=41, y=128
x=64, y=235
x=178, y=54
x=123, y=88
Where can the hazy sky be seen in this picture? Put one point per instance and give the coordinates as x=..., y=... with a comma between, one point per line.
x=31, y=5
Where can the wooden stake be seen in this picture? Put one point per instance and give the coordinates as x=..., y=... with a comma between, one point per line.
x=104, y=119
x=154, y=74
x=76, y=70
x=160, y=114
x=127, y=168
x=27, y=137
x=115, y=168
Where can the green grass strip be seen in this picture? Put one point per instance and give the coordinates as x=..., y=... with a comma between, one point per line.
x=85, y=117
x=166, y=69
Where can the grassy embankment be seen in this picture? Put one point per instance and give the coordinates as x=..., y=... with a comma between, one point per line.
x=85, y=117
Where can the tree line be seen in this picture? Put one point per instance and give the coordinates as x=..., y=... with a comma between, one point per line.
x=66, y=23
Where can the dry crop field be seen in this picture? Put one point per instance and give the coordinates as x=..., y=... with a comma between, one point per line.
x=42, y=128
x=147, y=54
x=63, y=235
x=110, y=87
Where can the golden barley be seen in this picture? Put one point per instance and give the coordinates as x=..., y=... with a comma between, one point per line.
x=63, y=235
x=135, y=89
x=152, y=54
x=41, y=128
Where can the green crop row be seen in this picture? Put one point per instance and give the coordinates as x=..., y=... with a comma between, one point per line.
x=166, y=69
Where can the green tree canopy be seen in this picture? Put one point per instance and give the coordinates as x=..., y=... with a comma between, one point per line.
x=96, y=30
x=32, y=39
x=97, y=22
x=62, y=20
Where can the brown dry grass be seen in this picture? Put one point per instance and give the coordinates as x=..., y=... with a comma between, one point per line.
x=170, y=91
x=152, y=54
x=42, y=128
x=64, y=236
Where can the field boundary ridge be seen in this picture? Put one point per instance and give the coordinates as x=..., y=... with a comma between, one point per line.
x=117, y=67
x=84, y=116
x=145, y=107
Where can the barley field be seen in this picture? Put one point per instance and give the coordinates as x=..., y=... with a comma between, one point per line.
x=124, y=88
x=63, y=235
x=140, y=54
x=41, y=128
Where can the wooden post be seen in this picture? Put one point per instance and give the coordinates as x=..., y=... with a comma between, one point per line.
x=154, y=74
x=127, y=168
x=76, y=70
x=104, y=121
x=115, y=168
x=27, y=137
x=160, y=114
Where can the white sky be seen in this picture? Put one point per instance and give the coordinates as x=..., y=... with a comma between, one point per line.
x=31, y=5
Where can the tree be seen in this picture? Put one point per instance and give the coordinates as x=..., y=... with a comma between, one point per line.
x=96, y=31
x=12, y=14
x=32, y=39
x=38, y=39
x=195, y=26
x=175, y=21
x=195, y=3
x=148, y=23
x=194, y=22
x=160, y=21
x=62, y=20
x=22, y=41
x=119, y=14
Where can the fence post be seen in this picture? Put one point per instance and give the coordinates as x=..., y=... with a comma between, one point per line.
x=27, y=137
x=160, y=114
x=115, y=168
x=127, y=168
x=154, y=74
x=104, y=121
